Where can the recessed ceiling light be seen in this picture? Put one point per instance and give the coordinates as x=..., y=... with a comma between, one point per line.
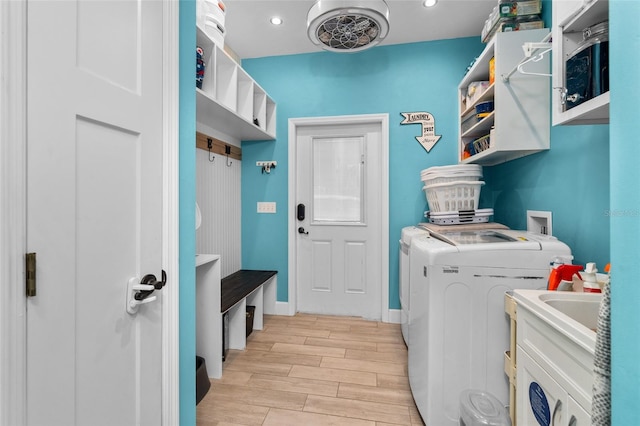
x=276, y=21
x=430, y=3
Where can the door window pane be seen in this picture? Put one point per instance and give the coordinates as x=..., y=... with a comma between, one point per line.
x=338, y=179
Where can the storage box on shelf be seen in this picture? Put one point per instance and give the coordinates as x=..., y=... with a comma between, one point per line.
x=519, y=123
x=570, y=18
x=513, y=16
x=230, y=101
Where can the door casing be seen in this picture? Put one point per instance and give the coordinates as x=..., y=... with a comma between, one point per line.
x=294, y=124
x=13, y=119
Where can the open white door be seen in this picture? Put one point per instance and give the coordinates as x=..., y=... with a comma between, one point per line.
x=94, y=211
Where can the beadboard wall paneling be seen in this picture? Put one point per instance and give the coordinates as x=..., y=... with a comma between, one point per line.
x=218, y=195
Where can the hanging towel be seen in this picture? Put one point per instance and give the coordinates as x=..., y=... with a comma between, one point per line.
x=601, y=403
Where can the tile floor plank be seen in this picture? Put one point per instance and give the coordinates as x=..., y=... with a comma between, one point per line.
x=375, y=394
x=258, y=397
x=352, y=408
x=281, y=358
x=389, y=368
x=277, y=417
x=333, y=375
x=322, y=351
x=297, y=331
x=294, y=384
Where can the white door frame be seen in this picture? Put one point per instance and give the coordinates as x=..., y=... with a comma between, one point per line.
x=294, y=124
x=13, y=124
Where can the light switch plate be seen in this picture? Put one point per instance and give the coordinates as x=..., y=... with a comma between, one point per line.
x=266, y=207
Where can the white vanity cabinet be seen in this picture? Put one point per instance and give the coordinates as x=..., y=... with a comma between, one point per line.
x=230, y=101
x=570, y=18
x=520, y=122
x=555, y=358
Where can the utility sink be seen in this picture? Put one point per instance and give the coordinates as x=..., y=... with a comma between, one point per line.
x=581, y=307
x=571, y=313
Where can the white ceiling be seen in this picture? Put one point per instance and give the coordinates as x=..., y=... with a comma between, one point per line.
x=250, y=34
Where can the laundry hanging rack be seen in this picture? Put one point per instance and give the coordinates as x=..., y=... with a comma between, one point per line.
x=531, y=54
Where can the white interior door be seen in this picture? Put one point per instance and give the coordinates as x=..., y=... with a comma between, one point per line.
x=339, y=243
x=94, y=211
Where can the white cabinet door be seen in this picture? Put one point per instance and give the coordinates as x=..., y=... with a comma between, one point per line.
x=541, y=400
x=570, y=18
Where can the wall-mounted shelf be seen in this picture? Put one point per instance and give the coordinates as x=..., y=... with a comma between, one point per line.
x=519, y=123
x=230, y=101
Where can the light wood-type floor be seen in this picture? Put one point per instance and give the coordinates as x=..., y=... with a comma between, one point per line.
x=310, y=370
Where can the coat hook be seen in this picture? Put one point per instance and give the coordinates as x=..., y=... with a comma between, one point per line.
x=209, y=146
x=227, y=150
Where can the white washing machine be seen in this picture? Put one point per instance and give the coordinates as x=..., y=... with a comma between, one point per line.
x=459, y=329
x=408, y=233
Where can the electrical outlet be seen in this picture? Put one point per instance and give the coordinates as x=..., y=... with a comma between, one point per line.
x=266, y=207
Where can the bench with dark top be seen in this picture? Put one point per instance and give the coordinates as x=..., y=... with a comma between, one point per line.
x=237, y=286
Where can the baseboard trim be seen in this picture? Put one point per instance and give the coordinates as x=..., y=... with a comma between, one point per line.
x=283, y=308
x=395, y=316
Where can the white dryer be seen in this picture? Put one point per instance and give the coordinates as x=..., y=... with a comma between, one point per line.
x=459, y=329
x=408, y=233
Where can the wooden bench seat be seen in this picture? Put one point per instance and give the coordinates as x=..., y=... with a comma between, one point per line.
x=235, y=287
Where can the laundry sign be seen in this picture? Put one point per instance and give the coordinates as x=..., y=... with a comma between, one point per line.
x=428, y=137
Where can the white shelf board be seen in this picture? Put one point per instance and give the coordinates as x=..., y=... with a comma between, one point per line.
x=227, y=121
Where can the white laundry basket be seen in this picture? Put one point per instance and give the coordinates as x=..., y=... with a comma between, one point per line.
x=453, y=196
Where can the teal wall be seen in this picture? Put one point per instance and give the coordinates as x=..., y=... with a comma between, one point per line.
x=387, y=79
x=625, y=211
x=571, y=180
x=187, y=188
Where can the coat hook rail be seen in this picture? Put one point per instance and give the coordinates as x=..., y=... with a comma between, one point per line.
x=218, y=147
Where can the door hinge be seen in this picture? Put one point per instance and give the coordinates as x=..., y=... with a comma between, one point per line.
x=30, y=260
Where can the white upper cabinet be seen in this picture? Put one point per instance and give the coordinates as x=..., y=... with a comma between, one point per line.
x=583, y=96
x=519, y=124
x=230, y=101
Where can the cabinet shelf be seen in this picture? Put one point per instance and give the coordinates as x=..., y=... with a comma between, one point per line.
x=486, y=96
x=230, y=100
x=481, y=128
x=519, y=124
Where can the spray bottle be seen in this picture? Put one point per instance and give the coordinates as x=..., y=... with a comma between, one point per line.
x=554, y=276
x=562, y=279
x=590, y=280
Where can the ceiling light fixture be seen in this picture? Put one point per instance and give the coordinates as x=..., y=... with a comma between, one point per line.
x=276, y=21
x=430, y=3
x=348, y=26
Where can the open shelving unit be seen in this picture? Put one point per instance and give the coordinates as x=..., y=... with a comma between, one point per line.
x=519, y=124
x=230, y=101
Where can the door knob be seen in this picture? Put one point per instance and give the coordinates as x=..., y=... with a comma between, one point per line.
x=302, y=231
x=139, y=291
